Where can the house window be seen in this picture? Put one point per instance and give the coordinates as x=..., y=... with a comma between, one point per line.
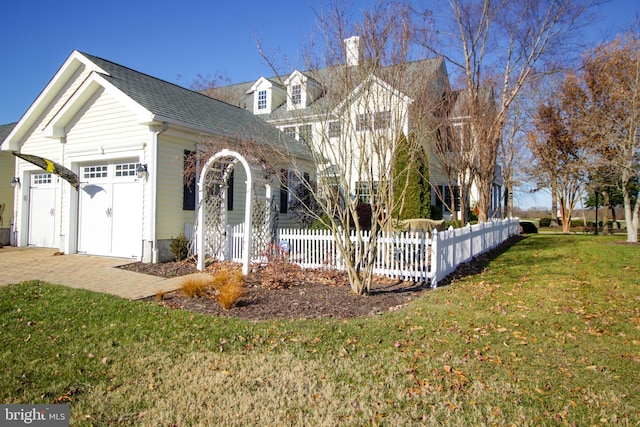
x=382, y=120
x=363, y=122
x=447, y=203
x=335, y=129
x=296, y=94
x=284, y=192
x=262, y=100
x=365, y=190
x=306, y=133
x=290, y=131
x=189, y=182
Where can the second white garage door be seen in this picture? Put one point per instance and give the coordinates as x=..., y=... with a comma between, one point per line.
x=110, y=210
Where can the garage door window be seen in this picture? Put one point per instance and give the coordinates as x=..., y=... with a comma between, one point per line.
x=89, y=172
x=126, y=169
x=40, y=178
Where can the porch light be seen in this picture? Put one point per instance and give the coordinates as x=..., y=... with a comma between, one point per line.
x=15, y=181
x=141, y=170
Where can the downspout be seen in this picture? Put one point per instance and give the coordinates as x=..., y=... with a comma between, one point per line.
x=154, y=193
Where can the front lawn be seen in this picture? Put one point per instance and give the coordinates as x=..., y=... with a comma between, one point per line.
x=548, y=334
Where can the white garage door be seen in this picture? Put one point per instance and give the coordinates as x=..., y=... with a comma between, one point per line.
x=42, y=211
x=110, y=210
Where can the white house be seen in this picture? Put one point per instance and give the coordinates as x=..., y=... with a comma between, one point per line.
x=125, y=135
x=337, y=109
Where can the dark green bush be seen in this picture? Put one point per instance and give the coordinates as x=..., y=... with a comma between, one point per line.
x=527, y=227
x=545, y=222
x=180, y=247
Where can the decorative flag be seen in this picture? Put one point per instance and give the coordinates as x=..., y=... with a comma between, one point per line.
x=52, y=167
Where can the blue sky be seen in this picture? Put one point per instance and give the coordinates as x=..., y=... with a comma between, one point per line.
x=171, y=40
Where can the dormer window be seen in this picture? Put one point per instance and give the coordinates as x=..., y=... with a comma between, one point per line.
x=267, y=96
x=302, y=90
x=296, y=95
x=262, y=100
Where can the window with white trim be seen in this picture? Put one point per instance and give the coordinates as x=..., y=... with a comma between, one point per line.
x=41, y=178
x=382, y=120
x=126, y=169
x=335, y=129
x=365, y=190
x=296, y=94
x=262, y=100
x=363, y=122
x=305, y=132
x=89, y=172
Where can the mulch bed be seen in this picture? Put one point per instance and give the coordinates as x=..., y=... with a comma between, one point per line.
x=287, y=292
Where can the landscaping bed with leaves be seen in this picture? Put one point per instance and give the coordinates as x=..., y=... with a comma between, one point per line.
x=281, y=290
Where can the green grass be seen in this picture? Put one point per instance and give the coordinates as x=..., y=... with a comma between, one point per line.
x=548, y=334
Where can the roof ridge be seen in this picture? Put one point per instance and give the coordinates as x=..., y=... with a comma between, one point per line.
x=93, y=58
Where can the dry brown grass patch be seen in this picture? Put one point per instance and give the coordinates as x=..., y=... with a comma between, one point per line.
x=229, y=286
x=196, y=287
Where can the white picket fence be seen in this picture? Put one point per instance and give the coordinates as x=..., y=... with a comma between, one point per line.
x=417, y=257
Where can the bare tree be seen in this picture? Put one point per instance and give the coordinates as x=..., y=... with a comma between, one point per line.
x=502, y=44
x=368, y=99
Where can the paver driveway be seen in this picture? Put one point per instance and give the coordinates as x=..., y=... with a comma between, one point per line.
x=94, y=273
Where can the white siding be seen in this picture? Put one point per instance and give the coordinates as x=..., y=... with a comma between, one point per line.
x=103, y=131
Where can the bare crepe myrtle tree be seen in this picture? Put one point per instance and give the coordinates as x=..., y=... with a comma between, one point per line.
x=369, y=95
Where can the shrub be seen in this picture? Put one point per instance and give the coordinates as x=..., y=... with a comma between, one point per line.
x=196, y=287
x=527, y=227
x=180, y=247
x=577, y=223
x=229, y=288
x=545, y=222
x=321, y=224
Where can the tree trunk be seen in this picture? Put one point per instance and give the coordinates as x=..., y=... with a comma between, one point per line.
x=554, y=205
x=631, y=215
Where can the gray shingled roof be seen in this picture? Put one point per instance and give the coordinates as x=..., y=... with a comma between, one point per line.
x=174, y=102
x=5, y=130
x=416, y=76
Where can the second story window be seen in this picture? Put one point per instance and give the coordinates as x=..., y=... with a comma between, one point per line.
x=262, y=100
x=335, y=129
x=305, y=133
x=296, y=95
x=382, y=120
x=363, y=122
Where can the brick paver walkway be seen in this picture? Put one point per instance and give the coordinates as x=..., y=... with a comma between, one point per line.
x=89, y=272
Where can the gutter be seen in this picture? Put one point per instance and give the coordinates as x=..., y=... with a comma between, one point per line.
x=154, y=192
